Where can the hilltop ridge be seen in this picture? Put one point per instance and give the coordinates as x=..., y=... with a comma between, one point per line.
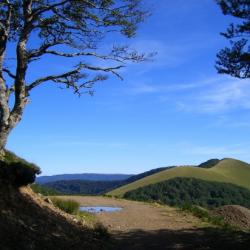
x=227, y=170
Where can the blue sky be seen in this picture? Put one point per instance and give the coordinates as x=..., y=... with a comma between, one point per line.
x=174, y=110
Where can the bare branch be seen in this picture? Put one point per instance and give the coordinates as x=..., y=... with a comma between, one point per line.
x=52, y=78
x=46, y=8
x=133, y=56
x=42, y=49
x=9, y=73
x=71, y=78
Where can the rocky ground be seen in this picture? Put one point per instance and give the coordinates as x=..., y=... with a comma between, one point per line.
x=235, y=215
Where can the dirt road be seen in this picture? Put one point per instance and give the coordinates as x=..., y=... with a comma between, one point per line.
x=149, y=226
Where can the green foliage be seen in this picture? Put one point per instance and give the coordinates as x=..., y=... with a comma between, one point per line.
x=90, y=218
x=68, y=206
x=182, y=191
x=235, y=60
x=17, y=171
x=11, y=157
x=43, y=190
x=83, y=187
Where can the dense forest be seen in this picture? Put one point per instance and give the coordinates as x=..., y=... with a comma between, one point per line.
x=182, y=191
x=83, y=187
x=37, y=188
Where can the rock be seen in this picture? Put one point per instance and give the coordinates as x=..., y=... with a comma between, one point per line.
x=56, y=235
x=48, y=200
x=75, y=220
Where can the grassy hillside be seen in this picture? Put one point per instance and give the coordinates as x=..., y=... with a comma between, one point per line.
x=182, y=191
x=145, y=174
x=227, y=170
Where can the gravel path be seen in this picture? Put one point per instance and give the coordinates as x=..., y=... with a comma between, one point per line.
x=137, y=215
x=143, y=226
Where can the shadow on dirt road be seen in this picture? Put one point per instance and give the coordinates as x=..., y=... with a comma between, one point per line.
x=207, y=238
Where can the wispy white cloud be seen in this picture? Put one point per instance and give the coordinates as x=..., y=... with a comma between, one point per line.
x=173, y=53
x=218, y=94
x=147, y=86
x=224, y=95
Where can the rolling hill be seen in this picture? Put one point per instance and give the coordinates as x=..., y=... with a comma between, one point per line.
x=227, y=170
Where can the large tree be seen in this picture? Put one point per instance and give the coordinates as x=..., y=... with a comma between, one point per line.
x=235, y=60
x=65, y=29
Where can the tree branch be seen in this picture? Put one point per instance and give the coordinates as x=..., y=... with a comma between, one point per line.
x=71, y=78
x=10, y=74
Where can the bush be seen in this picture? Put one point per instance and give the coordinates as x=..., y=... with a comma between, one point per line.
x=17, y=171
x=68, y=206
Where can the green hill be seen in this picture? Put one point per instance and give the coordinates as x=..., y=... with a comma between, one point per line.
x=227, y=170
x=183, y=191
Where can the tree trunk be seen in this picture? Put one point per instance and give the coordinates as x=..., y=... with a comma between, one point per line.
x=4, y=133
x=6, y=127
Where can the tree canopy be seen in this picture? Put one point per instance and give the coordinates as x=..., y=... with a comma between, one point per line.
x=235, y=60
x=66, y=29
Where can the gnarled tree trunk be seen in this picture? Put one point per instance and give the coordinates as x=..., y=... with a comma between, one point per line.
x=4, y=116
x=3, y=140
x=9, y=118
x=6, y=128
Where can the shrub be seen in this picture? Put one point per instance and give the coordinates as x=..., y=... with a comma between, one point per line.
x=68, y=206
x=102, y=231
x=17, y=171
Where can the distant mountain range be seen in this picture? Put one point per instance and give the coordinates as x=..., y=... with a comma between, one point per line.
x=85, y=176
